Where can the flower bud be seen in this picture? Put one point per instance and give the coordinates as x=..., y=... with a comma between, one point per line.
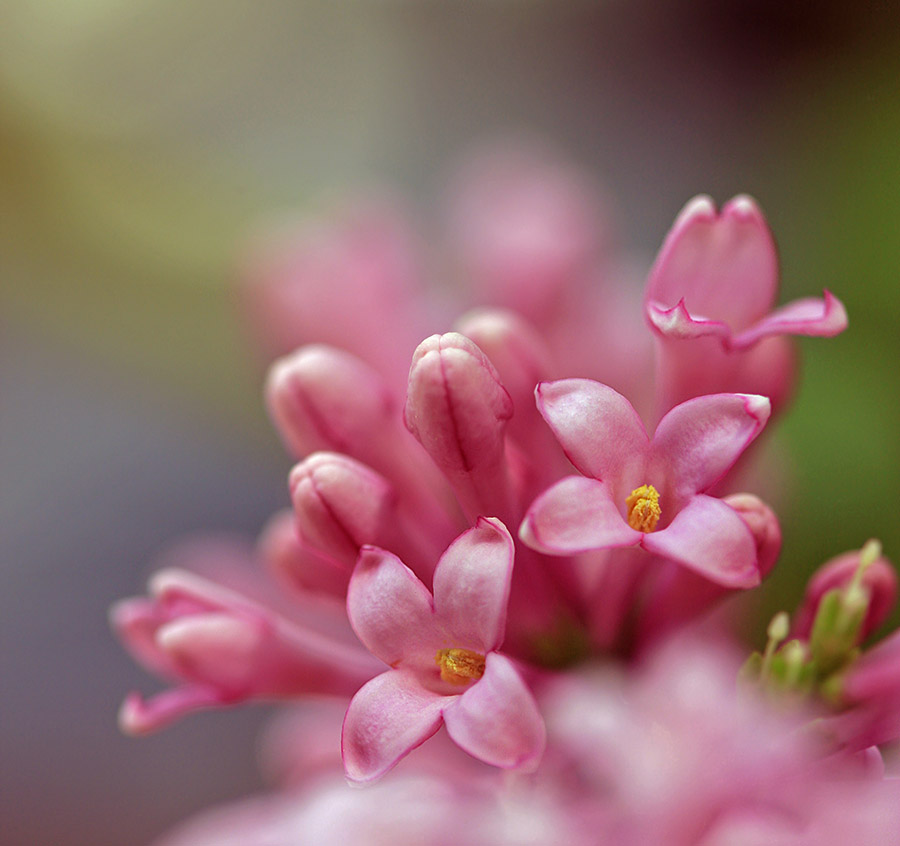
x=323, y=398
x=340, y=505
x=221, y=647
x=763, y=525
x=878, y=581
x=522, y=360
x=458, y=410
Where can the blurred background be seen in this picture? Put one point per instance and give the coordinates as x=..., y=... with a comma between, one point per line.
x=142, y=142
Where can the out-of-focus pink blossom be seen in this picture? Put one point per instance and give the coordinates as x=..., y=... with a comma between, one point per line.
x=443, y=652
x=352, y=283
x=869, y=696
x=526, y=235
x=526, y=228
x=677, y=756
x=709, y=298
x=666, y=752
x=638, y=491
x=221, y=647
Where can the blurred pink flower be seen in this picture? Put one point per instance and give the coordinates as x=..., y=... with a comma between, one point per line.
x=221, y=647
x=667, y=752
x=878, y=581
x=678, y=757
x=869, y=698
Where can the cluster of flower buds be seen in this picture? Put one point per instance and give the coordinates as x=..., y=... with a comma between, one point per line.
x=481, y=516
x=819, y=660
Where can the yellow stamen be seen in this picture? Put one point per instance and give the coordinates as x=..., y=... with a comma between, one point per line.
x=459, y=666
x=643, y=508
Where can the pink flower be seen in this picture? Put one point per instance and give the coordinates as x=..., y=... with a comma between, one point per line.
x=675, y=754
x=527, y=227
x=222, y=647
x=869, y=691
x=444, y=659
x=304, y=277
x=714, y=283
x=650, y=493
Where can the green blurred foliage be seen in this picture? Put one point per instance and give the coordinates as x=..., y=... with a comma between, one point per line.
x=837, y=218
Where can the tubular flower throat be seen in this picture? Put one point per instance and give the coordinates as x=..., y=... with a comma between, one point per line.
x=460, y=666
x=643, y=508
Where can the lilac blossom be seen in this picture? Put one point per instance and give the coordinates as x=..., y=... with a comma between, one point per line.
x=709, y=300
x=648, y=492
x=443, y=651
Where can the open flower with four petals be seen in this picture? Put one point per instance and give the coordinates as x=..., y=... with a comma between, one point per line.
x=650, y=493
x=442, y=649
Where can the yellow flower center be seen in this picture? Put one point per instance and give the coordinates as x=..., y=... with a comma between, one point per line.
x=643, y=508
x=459, y=666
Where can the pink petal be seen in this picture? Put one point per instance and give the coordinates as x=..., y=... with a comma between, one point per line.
x=600, y=432
x=711, y=539
x=389, y=717
x=183, y=592
x=763, y=525
x=575, y=515
x=221, y=650
x=497, y=720
x=810, y=316
x=390, y=610
x=697, y=442
x=471, y=585
x=723, y=266
x=135, y=622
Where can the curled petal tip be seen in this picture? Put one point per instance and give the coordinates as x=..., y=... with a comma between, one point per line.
x=677, y=322
x=758, y=407
x=124, y=613
x=130, y=716
x=137, y=718
x=836, y=320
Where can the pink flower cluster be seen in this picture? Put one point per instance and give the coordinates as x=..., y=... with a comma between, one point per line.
x=485, y=537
